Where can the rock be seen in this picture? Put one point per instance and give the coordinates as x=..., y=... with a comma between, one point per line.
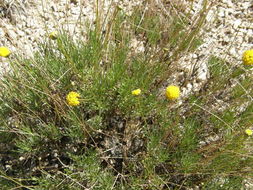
x=232, y=51
x=21, y=158
x=2, y=33
x=12, y=34
x=236, y=23
x=202, y=73
x=221, y=12
x=20, y=33
x=194, y=56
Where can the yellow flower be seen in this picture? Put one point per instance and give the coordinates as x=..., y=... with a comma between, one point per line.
x=53, y=35
x=247, y=57
x=4, y=51
x=73, y=99
x=136, y=92
x=249, y=132
x=172, y=92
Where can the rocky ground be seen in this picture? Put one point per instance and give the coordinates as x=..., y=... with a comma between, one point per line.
x=228, y=31
x=25, y=23
x=227, y=34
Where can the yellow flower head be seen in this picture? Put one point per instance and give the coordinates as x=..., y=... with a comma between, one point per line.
x=4, y=51
x=249, y=132
x=136, y=92
x=247, y=57
x=73, y=99
x=53, y=35
x=172, y=92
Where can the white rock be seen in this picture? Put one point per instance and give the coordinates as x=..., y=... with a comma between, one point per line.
x=210, y=16
x=8, y=166
x=221, y=12
x=232, y=51
x=2, y=33
x=21, y=158
x=20, y=33
x=28, y=31
x=194, y=56
x=12, y=34
x=237, y=23
x=202, y=72
x=186, y=90
x=230, y=4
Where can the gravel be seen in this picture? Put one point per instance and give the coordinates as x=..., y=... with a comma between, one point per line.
x=228, y=32
x=24, y=23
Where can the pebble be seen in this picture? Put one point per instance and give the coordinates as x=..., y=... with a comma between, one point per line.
x=21, y=158
x=8, y=166
x=232, y=51
x=20, y=33
x=237, y=23
x=12, y=34
x=2, y=33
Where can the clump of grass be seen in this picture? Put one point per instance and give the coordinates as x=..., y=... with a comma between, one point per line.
x=111, y=138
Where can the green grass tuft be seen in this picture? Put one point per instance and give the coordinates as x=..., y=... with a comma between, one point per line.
x=113, y=139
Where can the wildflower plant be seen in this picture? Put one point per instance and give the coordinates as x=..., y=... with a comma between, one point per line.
x=248, y=132
x=136, y=92
x=73, y=98
x=4, y=51
x=172, y=92
x=115, y=140
x=247, y=57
